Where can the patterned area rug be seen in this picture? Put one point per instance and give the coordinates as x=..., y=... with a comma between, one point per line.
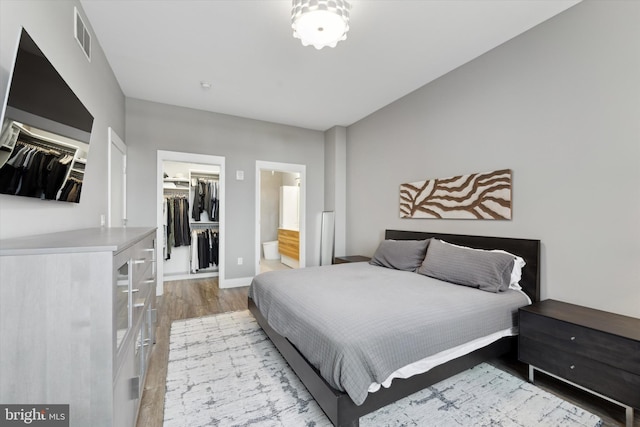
x=224, y=371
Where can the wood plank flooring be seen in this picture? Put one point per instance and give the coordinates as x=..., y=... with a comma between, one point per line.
x=201, y=297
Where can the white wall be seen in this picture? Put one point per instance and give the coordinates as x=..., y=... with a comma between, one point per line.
x=152, y=126
x=50, y=24
x=269, y=204
x=560, y=106
x=335, y=171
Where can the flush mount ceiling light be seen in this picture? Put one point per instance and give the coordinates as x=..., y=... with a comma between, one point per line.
x=320, y=22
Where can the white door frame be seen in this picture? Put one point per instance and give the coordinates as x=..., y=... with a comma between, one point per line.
x=289, y=168
x=174, y=156
x=116, y=143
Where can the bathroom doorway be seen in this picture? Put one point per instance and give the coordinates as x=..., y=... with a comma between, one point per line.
x=280, y=216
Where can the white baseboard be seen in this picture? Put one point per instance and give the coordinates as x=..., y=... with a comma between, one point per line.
x=187, y=276
x=235, y=283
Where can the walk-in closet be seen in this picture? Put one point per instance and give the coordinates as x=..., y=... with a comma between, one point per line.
x=191, y=220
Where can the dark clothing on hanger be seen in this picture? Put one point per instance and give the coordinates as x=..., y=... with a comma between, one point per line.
x=178, y=229
x=205, y=199
x=207, y=248
x=32, y=170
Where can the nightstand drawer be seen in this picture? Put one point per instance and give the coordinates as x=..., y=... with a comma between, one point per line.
x=607, y=380
x=573, y=339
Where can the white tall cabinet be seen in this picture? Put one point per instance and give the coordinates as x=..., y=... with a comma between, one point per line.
x=77, y=321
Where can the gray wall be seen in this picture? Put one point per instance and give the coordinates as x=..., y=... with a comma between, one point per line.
x=560, y=106
x=153, y=126
x=50, y=24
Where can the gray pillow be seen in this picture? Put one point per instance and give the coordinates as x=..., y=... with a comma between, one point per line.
x=486, y=270
x=404, y=255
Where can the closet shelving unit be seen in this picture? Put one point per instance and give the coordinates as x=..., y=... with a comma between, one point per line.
x=8, y=138
x=176, y=184
x=175, y=267
x=186, y=186
x=205, y=221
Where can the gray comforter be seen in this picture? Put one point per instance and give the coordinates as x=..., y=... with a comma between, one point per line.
x=357, y=323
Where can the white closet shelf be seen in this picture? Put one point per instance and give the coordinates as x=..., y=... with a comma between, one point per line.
x=164, y=187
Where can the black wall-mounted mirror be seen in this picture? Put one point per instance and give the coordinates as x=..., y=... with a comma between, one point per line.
x=45, y=134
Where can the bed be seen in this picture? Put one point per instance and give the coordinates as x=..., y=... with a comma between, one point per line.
x=356, y=369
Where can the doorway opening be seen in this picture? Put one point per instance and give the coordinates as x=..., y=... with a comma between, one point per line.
x=280, y=216
x=190, y=241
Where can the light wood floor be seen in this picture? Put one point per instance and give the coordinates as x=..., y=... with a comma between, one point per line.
x=201, y=297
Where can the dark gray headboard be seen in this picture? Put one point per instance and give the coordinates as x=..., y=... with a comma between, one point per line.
x=528, y=249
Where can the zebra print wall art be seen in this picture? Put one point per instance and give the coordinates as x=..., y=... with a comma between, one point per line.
x=476, y=196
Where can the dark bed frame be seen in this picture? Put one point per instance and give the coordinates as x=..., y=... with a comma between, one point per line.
x=339, y=407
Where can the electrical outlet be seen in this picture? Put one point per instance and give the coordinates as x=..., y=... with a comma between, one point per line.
x=240, y=261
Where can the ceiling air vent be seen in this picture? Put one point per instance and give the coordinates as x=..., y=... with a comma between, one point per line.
x=82, y=34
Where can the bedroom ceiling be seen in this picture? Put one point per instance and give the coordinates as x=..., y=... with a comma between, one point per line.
x=161, y=50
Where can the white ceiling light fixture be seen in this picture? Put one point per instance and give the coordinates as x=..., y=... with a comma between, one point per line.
x=320, y=22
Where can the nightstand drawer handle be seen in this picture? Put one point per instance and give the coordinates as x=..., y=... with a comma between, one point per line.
x=572, y=366
x=573, y=338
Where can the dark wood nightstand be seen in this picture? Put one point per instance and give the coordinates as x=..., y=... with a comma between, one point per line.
x=594, y=350
x=350, y=258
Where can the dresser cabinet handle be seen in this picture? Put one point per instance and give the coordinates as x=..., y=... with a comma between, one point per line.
x=573, y=338
x=572, y=366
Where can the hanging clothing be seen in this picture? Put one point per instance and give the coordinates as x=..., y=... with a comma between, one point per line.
x=71, y=190
x=205, y=199
x=34, y=171
x=195, y=261
x=178, y=232
x=204, y=249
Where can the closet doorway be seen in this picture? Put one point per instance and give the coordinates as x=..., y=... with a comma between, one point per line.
x=280, y=216
x=190, y=217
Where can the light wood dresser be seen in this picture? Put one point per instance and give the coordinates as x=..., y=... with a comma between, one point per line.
x=77, y=321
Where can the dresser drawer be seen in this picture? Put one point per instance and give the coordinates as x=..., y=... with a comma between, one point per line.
x=602, y=378
x=144, y=275
x=609, y=349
